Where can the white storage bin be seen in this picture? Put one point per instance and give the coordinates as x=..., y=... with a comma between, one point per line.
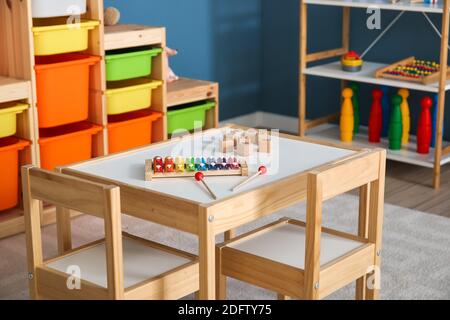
x=57, y=8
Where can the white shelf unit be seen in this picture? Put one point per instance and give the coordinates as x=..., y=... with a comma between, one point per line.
x=330, y=133
x=402, y=5
x=323, y=128
x=333, y=70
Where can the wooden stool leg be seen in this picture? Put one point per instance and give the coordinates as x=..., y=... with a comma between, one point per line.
x=63, y=230
x=283, y=297
x=221, y=280
x=229, y=235
x=376, y=213
x=361, y=283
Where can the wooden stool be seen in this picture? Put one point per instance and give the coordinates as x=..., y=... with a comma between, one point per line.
x=305, y=260
x=118, y=267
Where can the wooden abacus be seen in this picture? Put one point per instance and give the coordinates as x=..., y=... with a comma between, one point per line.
x=178, y=170
x=410, y=69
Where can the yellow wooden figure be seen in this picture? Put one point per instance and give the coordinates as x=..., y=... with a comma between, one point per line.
x=347, y=116
x=406, y=120
x=179, y=164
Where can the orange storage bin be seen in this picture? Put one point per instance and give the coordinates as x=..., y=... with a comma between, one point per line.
x=131, y=130
x=67, y=144
x=9, y=171
x=62, y=84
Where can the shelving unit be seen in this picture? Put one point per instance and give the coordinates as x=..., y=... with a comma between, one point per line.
x=189, y=90
x=323, y=129
x=18, y=83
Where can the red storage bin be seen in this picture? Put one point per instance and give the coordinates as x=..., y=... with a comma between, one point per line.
x=131, y=130
x=9, y=171
x=67, y=144
x=62, y=83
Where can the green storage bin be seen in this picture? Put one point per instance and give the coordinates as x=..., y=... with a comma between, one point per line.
x=186, y=117
x=126, y=64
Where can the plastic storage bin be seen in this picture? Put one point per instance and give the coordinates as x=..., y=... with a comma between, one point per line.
x=187, y=116
x=62, y=84
x=131, y=130
x=9, y=171
x=8, y=118
x=126, y=64
x=61, y=37
x=67, y=144
x=130, y=95
x=52, y=8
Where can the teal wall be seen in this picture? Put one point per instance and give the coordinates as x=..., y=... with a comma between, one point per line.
x=217, y=40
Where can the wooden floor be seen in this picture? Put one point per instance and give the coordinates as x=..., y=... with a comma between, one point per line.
x=410, y=187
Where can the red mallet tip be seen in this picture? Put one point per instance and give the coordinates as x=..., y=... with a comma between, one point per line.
x=199, y=176
x=262, y=170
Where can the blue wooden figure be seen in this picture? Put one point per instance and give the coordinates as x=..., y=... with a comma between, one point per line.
x=434, y=115
x=386, y=111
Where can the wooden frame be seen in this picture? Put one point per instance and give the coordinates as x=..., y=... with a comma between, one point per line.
x=316, y=281
x=104, y=202
x=208, y=220
x=306, y=58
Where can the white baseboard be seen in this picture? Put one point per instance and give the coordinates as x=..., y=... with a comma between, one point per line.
x=266, y=120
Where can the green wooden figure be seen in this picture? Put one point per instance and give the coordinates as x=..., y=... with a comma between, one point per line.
x=395, y=124
x=356, y=109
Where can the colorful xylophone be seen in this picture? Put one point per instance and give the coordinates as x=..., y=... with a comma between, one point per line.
x=180, y=167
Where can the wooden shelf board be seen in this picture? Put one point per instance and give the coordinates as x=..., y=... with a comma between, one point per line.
x=382, y=4
x=14, y=89
x=187, y=90
x=129, y=35
x=367, y=75
x=331, y=133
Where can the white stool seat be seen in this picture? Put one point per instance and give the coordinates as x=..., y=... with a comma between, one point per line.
x=286, y=244
x=141, y=263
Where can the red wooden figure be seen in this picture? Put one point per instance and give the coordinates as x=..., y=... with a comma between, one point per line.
x=376, y=117
x=424, y=129
x=158, y=165
x=169, y=164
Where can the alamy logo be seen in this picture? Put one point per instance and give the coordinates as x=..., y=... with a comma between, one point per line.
x=374, y=20
x=74, y=280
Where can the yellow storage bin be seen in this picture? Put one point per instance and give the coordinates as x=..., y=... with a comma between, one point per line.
x=61, y=37
x=8, y=121
x=130, y=95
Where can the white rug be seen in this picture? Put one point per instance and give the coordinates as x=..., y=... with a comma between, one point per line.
x=416, y=253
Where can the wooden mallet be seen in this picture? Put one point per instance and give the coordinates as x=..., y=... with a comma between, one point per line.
x=261, y=171
x=200, y=177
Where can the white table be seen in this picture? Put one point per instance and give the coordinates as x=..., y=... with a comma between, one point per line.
x=184, y=205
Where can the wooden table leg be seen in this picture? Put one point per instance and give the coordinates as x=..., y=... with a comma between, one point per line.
x=361, y=283
x=207, y=259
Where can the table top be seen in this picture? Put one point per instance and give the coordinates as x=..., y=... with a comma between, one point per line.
x=289, y=157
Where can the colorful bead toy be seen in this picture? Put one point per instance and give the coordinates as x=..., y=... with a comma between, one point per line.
x=179, y=168
x=411, y=69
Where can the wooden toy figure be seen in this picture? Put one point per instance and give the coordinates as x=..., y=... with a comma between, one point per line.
x=190, y=164
x=179, y=164
x=406, y=120
x=395, y=124
x=347, y=119
x=386, y=106
x=169, y=165
x=424, y=127
x=434, y=114
x=356, y=109
x=376, y=114
x=158, y=165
